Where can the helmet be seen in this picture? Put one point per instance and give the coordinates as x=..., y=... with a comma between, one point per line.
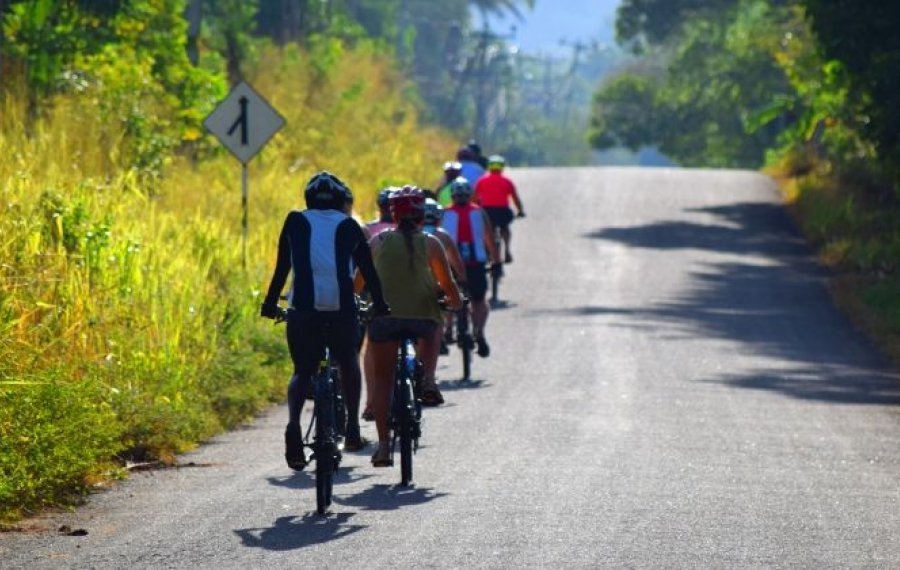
x=434, y=212
x=452, y=168
x=465, y=154
x=325, y=191
x=474, y=146
x=496, y=163
x=408, y=203
x=460, y=190
x=384, y=195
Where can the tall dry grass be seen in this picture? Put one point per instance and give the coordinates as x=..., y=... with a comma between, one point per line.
x=127, y=324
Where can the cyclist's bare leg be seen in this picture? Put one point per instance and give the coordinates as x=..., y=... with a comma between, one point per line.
x=506, y=236
x=368, y=371
x=428, y=350
x=480, y=313
x=384, y=360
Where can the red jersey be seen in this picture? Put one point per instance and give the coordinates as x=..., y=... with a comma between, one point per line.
x=493, y=190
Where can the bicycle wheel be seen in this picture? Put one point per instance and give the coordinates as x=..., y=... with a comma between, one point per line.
x=324, y=443
x=407, y=429
x=465, y=342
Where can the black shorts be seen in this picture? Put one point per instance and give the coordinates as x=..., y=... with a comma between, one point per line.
x=500, y=217
x=383, y=329
x=476, y=277
x=309, y=332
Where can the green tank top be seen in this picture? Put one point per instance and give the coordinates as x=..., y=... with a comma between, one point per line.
x=410, y=291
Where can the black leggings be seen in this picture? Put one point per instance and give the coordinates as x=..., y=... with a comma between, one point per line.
x=308, y=334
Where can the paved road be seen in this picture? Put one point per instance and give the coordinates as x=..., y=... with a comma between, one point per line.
x=670, y=387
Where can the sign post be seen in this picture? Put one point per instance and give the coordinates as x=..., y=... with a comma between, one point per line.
x=244, y=122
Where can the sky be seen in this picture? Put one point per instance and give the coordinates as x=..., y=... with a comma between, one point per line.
x=552, y=20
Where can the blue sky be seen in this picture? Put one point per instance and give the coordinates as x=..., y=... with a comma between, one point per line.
x=552, y=20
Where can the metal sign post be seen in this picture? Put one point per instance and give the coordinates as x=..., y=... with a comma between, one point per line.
x=244, y=122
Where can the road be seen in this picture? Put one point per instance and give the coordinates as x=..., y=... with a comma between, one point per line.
x=669, y=387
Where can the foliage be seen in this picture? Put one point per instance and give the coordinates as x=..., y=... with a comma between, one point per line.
x=131, y=306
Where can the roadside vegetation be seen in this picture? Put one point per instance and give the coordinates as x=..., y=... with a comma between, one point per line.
x=128, y=327
x=804, y=89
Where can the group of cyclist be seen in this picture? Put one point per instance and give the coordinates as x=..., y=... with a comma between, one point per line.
x=422, y=246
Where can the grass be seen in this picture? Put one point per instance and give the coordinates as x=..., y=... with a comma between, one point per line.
x=128, y=328
x=856, y=227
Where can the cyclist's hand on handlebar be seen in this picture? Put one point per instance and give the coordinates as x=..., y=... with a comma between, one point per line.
x=381, y=309
x=270, y=311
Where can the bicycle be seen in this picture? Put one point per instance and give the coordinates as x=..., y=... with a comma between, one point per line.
x=325, y=433
x=405, y=421
x=465, y=340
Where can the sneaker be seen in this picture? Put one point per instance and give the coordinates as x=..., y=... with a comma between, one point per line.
x=445, y=350
x=432, y=397
x=355, y=443
x=482, y=348
x=507, y=258
x=382, y=456
x=294, y=454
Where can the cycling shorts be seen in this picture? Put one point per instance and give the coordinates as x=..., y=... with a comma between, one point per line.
x=500, y=217
x=384, y=329
x=309, y=332
x=476, y=276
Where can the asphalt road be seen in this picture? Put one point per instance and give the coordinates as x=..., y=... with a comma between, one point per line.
x=670, y=387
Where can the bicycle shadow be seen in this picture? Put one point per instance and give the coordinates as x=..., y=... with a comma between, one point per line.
x=292, y=532
x=456, y=385
x=384, y=497
x=307, y=479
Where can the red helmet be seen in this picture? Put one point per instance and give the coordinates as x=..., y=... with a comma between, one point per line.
x=408, y=203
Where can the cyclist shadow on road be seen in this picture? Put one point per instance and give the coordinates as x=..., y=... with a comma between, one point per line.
x=307, y=479
x=292, y=532
x=383, y=497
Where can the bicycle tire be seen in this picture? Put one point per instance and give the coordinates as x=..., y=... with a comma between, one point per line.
x=324, y=443
x=465, y=341
x=406, y=428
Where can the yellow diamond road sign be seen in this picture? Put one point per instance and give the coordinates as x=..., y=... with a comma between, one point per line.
x=244, y=122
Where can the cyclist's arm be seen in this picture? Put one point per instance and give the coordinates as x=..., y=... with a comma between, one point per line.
x=362, y=258
x=453, y=256
x=489, y=242
x=514, y=194
x=282, y=266
x=437, y=261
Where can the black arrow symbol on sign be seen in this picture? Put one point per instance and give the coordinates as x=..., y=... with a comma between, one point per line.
x=241, y=121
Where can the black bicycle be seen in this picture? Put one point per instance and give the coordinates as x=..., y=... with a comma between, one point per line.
x=325, y=434
x=465, y=340
x=406, y=407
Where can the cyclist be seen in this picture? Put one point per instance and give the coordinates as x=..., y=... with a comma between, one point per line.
x=469, y=167
x=471, y=230
x=476, y=149
x=318, y=244
x=451, y=171
x=434, y=213
x=384, y=220
x=493, y=192
x=413, y=267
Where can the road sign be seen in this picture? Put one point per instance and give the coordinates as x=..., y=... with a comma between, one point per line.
x=244, y=122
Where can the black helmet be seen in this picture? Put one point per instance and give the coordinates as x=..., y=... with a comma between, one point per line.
x=465, y=154
x=325, y=191
x=384, y=196
x=474, y=146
